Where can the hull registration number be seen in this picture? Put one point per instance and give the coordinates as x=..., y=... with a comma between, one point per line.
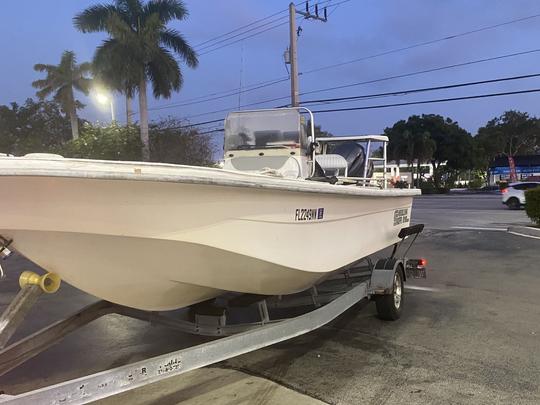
x=308, y=214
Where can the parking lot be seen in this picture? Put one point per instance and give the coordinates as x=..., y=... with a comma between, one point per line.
x=469, y=333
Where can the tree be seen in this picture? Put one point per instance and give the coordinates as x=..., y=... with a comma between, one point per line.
x=112, y=142
x=319, y=132
x=141, y=47
x=411, y=141
x=434, y=139
x=171, y=142
x=513, y=133
x=61, y=80
x=32, y=127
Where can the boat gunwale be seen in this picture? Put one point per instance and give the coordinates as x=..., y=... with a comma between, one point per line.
x=248, y=180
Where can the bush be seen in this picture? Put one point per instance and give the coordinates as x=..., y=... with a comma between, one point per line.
x=428, y=187
x=476, y=183
x=105, y=143
x=401, y=184
x=170, y=142
x=532, y=204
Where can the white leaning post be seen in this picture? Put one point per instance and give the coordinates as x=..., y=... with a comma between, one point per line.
x=117, y=380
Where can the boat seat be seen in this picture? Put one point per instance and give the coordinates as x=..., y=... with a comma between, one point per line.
x=354, y=154
x=332, y=164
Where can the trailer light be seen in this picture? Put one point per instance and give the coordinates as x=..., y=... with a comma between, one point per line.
x=416, y=268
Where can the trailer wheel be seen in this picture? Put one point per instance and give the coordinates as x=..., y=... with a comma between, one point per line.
x=389, y=306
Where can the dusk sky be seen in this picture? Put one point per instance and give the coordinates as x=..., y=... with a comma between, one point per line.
x=38, y=31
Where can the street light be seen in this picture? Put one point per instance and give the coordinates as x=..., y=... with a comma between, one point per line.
x=104, y=99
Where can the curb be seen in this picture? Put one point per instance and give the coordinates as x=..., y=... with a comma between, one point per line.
x=526, y=231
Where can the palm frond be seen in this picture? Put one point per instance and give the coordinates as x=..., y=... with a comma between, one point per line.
x=164, y=74
x=85, y=67
x=40, y=84
x=116, y=66
x=83, y=84
x=167, y=10
x=133, y=8
x=118, y=28
x=44, y=92
x=174, y=40
x=151, y=29
x=68, y=61
x=40, y=67
x=94, y=18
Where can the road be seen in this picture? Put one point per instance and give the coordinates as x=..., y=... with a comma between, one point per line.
x=471, y=333
x=465, y=210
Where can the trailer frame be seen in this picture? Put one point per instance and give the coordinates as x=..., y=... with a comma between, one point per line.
x=360, y=281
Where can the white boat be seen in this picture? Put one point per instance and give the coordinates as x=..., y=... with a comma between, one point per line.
x=160, y=237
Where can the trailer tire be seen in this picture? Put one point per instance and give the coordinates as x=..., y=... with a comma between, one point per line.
x=389, y=306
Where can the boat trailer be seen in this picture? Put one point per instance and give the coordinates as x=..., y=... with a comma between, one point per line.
x=381, y=282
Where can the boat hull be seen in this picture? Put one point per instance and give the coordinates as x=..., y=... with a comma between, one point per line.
x=162, y=245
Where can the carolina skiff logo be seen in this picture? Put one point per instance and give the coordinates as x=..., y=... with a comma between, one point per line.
x=401, y=216
x=309, y=214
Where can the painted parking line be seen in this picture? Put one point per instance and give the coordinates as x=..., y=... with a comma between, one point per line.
x=524, y=235
x=419, y=288
x=479, y=228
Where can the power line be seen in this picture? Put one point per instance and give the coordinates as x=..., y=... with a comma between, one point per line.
x=226, y=43
x=248, y=87
x=251, y=24
x=244, y=38
x=420, y=90
x=442, y=100
x=511, y=55
x=240, y=28
x=420, y=44
x=217, y=97
x=211, y=131
x=234, y=92
x=376, y=80
x=242, y=33
x=379, y=106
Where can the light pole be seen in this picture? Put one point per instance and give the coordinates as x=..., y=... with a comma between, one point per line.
x=105, y=99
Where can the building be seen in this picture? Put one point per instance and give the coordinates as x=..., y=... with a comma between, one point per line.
x=403, y=171
x=527, y=166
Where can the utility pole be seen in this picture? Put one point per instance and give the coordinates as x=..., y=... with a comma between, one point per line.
x=293, y=52
x=293, y=55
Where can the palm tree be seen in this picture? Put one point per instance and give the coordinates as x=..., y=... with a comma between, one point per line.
x=61, y=80
x=141, y=48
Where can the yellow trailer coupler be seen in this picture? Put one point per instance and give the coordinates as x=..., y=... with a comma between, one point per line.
x=49, y=283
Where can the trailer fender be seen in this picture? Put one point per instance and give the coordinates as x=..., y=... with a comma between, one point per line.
x=382, y=277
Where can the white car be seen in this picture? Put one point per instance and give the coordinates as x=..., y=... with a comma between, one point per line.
x=514, y=195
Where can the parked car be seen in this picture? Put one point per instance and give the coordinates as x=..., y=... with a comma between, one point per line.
x=513, y=196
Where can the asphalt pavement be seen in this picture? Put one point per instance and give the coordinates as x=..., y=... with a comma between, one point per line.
x=470, y=333
x=463, y=210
